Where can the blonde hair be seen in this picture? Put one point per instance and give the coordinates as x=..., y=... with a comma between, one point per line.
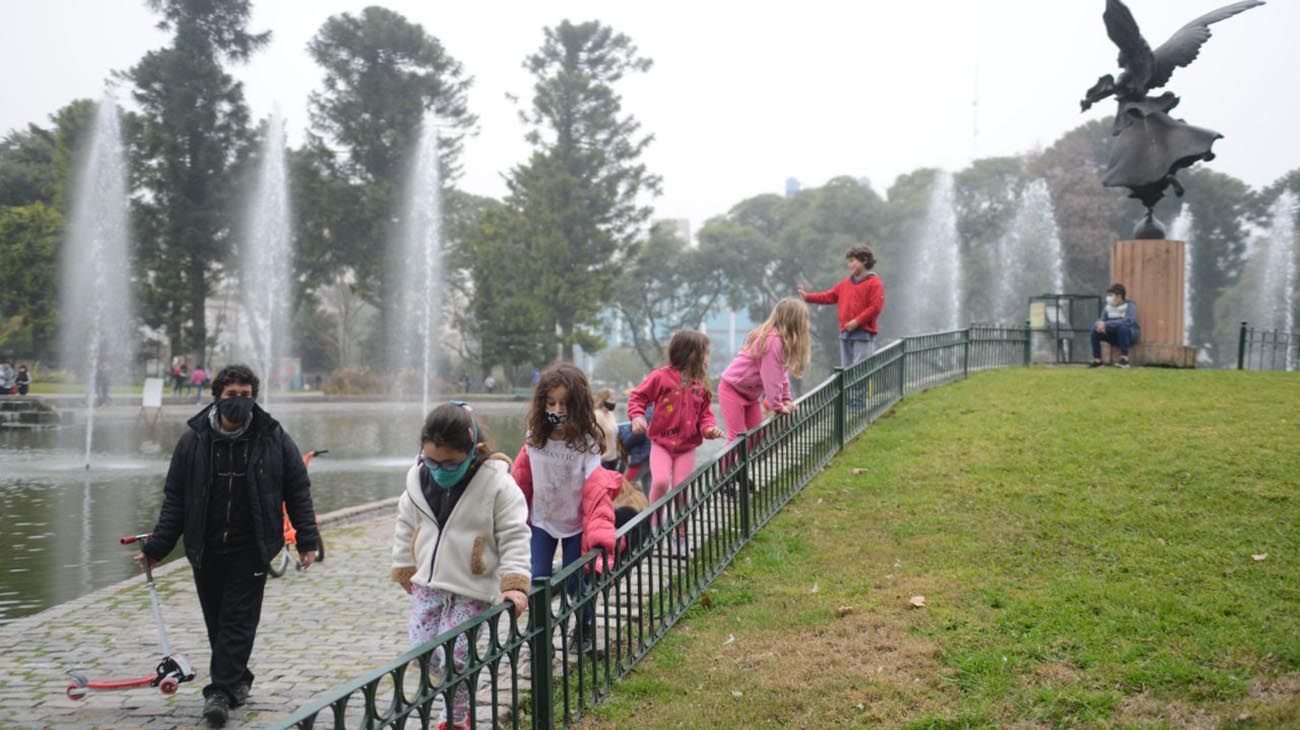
x=789, y=319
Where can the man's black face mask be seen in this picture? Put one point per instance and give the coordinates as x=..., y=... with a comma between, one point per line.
x=235, y=410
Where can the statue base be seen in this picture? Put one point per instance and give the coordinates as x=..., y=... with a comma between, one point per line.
x=1152, y=273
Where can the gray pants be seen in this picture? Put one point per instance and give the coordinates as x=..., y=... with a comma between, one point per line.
x=855, y=350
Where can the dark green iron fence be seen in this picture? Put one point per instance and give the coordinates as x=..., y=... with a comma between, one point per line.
x=592, y=622
x=1259, y=349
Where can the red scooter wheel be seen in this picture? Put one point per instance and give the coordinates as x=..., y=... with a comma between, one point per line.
x=168, y=686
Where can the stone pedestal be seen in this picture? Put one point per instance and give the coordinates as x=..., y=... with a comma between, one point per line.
x=1152, y=273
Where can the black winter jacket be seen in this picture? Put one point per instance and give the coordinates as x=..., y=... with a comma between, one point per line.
x=277, y=477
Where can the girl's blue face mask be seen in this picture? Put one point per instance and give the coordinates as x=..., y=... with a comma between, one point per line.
x=449, y=475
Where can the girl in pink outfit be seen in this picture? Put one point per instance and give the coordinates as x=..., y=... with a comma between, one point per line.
x=682, y=414
x=772, y=351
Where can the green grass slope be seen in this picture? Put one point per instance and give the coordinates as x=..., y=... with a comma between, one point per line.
x=1089, y=546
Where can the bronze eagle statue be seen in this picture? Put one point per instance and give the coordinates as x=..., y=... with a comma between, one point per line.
x=1149, y=146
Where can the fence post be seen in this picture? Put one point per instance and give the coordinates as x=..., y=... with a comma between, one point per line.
x=744, y=485
x=1241, y=348
x=841, y=410
x=1028, y=339
x=902, y=367
x=542, y=651
x=965, y=355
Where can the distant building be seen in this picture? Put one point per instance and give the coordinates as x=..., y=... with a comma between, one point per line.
x=792, y=187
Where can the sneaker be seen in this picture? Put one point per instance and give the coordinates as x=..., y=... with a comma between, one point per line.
x=588, y=640
x=683, y=547
x=1123, y=362
x=240, y=695
x=444, y=726
x=216, y=710
x=1095, y=364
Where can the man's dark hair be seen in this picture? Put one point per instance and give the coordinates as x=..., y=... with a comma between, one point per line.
x=236, y=375
x=1118, y=289
x=862, y=252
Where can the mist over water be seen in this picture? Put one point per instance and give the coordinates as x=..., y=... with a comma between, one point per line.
x=418, y=326
x=1181, y=230
x=96, y=313
x=266, y=258
x=1028, y=259
x=932, y=280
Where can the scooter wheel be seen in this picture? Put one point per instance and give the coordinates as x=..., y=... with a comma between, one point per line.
x=76, y=691
x=168, y=686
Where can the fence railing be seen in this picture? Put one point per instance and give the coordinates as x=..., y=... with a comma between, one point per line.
x=593, y=621
x=1260, y=349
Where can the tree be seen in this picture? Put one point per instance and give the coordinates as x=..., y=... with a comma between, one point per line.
x=1219, y=204
x=382, y=74
x=36, y=164
x=511, y=323
x=192, y=132
x=987, y=197
x=579, y=197
x=29, y=245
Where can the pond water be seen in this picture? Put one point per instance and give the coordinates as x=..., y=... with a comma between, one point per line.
x=61, y=522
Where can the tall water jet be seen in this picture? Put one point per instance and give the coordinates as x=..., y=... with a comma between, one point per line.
x=95, y=307
x=932, y=280
x=265, y=257
x=1029, y=255
x=1273, y=272
x=1181, y=230
x=417, y=321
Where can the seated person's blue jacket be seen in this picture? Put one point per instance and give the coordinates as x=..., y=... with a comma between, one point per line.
x=1130, y=318
x=637, y=445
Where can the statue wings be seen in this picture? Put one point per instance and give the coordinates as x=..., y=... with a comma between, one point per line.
x=1146, y=69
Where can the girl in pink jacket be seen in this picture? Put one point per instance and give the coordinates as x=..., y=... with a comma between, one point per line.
x=683, y=417
x=772, y=351
x=569, y=495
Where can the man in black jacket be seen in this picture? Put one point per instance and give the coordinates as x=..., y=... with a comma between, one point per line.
x=230, y=473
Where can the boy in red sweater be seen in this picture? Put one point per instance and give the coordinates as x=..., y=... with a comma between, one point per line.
x=861, y=299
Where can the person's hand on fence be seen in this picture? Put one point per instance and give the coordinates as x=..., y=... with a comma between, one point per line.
x=789, y=407
x=306, y=559
x=519, y=600
x=140, y=559
x=638, y=425
x=713, y=432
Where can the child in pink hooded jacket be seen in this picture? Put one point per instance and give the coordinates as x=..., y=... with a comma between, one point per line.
x=760, y=373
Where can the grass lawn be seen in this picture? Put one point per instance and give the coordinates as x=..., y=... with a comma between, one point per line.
x=1086, y=543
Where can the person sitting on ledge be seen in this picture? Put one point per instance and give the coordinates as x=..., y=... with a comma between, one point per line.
x=1117, y=325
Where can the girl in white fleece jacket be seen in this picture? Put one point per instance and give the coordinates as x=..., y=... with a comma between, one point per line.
x=461, y=542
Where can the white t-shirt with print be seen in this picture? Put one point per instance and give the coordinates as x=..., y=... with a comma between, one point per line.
x=558, y=475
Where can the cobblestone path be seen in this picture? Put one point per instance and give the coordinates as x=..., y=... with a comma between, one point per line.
x=318, y=629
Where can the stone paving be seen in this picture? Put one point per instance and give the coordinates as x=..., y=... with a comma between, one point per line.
x=318, y=629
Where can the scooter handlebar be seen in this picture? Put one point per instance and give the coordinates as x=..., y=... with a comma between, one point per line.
x=127, y=540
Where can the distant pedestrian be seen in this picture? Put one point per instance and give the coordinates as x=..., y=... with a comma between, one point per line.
x=1117, y=325
x=103, y=379
x=198, y=379
x=461, y=542
x=464, y=383
x=683, y=404
x=760, y=372
x=23, y=380
x=231, y=473
x=180, y=374
x=860, y=298
x=7, y=378
x=490, y=383
x=537, y=375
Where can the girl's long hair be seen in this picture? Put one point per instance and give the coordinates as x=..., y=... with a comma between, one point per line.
x=789, y=319
x=581, y=430
x=686, y=352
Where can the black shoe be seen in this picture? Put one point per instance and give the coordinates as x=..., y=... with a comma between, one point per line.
x=1095, y=364
x=588, y=642
x=1123, y=362
x=217, y=709
x=240, y=695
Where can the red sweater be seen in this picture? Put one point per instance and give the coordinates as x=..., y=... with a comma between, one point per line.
x=863, y=301
x=682, y=413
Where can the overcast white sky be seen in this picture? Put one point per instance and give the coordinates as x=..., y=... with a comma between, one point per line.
x=745, y=94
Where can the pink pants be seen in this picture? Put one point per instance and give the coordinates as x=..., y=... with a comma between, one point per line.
x=739, y=414
x=433, y=613
x=667, y=470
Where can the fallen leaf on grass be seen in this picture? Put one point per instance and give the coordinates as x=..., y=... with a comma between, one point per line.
x=917, y=602
x=843, y=611
x=858, y=470
x=814, y=589
x=731, y=639
x=1259, y=557
x=1161, y=540
x=737, y=693
x=705, y=601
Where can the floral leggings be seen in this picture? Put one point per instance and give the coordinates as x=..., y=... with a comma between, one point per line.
x=433, y=613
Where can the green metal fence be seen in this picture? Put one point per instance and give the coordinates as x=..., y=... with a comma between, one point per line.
x=577, y=643
x=1260, y=349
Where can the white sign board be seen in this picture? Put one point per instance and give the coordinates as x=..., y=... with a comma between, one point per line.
x=152, y=395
